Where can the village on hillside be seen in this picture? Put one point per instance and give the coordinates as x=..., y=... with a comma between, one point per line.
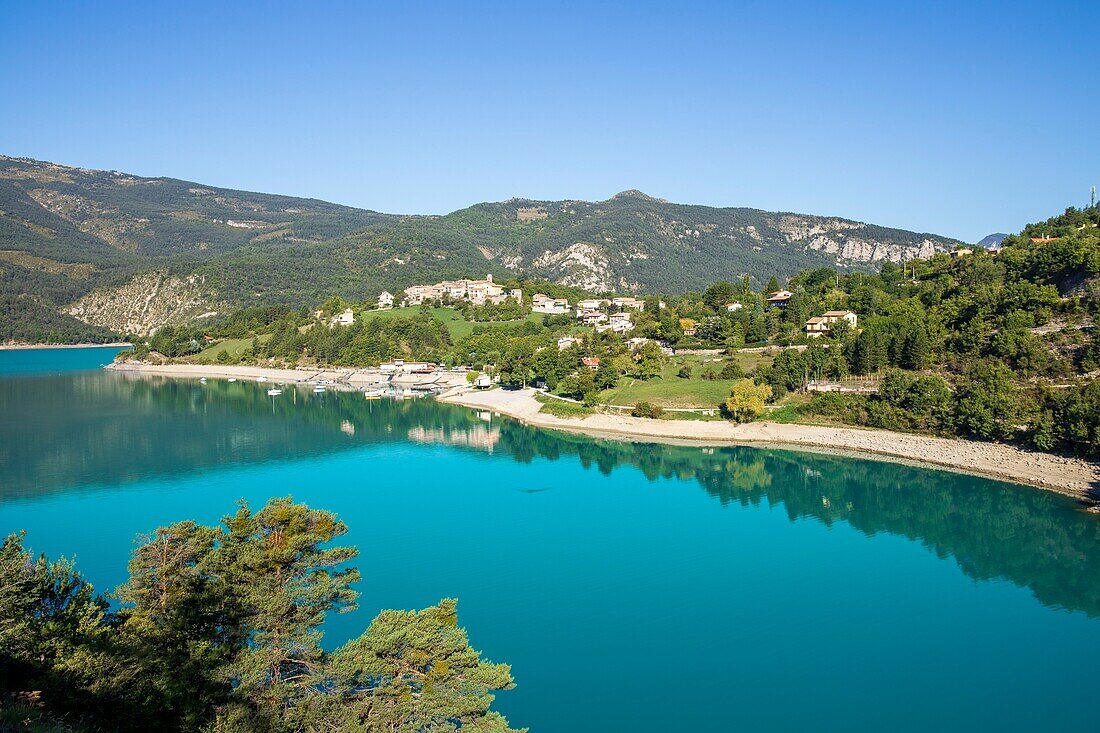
x=695, y=372
x=602, y=314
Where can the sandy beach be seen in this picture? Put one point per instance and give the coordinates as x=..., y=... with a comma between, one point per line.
x=1070, y=476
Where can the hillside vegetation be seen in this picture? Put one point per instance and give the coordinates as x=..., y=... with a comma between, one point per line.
x=66, y=232
x=988, y=345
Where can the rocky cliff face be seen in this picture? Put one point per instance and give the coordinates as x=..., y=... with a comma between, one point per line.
x=849, y=242
x=147, y=302
x=580, y=265
x=634, y=242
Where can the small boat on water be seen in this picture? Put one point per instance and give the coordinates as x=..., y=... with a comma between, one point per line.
x=202, y=379
x=232, y=379
x=373, y=394
x=261, y=379
x=273, y=392
x=318, y=388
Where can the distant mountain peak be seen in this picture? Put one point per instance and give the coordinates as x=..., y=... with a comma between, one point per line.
x=633, y=193
x=992, y=241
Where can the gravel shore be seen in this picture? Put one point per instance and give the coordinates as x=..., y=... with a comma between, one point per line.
x=1070, y=476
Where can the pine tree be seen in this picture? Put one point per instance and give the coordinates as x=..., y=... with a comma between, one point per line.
x=415, y=670
x=915, y=349
x=285, y=582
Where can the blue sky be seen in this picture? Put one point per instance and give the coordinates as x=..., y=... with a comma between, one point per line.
x=959, y=119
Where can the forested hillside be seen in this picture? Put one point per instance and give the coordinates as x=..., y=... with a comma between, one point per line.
x=996, y=345
x=196, y=249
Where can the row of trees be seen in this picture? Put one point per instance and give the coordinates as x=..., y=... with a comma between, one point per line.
x=218, y=629
x=986, y=403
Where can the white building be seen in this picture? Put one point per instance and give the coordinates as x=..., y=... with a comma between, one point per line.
x=628, y=303
x=779, y=298
x=343, y=319
x=385, y=299
x=592, y=304
x=566, y=341
x=816, y=326
x=541, y=303
x=591, y=318
x=620, y=322
x=820, y=325
x=477, y=292
x=733, y=307
x=832, y=317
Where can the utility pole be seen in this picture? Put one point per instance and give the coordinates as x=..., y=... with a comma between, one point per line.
x=1092, y=197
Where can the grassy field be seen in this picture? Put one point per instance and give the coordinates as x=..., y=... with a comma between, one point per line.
x=668, y=415
x=234, y=347
x=559, y=408
x=786, y=410
x=669, y=390
x=750, y=361
x=457, y=326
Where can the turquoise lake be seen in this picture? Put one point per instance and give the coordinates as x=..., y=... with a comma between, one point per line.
x=632, y=587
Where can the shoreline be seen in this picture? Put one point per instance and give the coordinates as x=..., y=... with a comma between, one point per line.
x=335, y=377
x=1073, y=477
x=24, y=347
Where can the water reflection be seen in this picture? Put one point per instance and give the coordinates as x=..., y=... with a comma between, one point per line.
x=73, y=432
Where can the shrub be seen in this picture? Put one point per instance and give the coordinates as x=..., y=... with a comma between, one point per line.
x=732, y=370
x=685, y=372
x=986, y=405
x=645, y=409
x=746, y=400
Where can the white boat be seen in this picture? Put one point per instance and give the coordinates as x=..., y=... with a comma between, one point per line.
x=202, y=379
x=274, y=392
x=261, y=379
x=317, y=388
x=232, y=379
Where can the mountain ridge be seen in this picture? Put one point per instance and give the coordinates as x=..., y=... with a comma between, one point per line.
x=122, y=232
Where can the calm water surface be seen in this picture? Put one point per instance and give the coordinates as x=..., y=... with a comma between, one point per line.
x=631, y=586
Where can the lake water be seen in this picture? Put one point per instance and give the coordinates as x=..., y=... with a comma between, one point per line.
x=632, y=587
